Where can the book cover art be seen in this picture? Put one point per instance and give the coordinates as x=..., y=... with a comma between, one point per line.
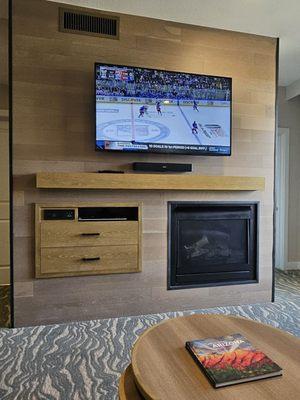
x=231, y=359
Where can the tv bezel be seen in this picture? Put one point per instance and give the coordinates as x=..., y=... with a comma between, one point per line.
x=175, y=152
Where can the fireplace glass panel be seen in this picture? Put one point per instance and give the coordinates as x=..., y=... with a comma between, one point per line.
x=219, y=244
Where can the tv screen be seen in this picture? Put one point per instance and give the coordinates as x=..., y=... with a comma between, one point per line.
x=156, y=111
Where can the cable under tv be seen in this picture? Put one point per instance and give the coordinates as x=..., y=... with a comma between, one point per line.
x=161, y=167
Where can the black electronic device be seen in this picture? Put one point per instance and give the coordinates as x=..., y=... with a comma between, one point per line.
x=148, y=110
x=110, y=171
x=59, y=214
x=161, y=167
x=107, y=214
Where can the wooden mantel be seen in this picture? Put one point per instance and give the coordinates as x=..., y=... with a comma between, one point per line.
x=138, y=181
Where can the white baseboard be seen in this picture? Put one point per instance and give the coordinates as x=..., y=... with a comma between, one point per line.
x=293, y=265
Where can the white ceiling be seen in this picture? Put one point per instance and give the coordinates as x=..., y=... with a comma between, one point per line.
x=277, y=18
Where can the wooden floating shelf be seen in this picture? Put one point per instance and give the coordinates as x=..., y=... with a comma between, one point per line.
x=136, y=181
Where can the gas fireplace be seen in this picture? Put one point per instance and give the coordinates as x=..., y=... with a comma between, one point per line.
x=212, y=244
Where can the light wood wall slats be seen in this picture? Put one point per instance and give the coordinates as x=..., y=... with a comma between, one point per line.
x=53, y=132
x=4, y=149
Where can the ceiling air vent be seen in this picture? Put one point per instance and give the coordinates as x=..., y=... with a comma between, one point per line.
x=89, y=23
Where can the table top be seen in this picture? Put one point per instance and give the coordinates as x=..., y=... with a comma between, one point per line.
x=164, y=369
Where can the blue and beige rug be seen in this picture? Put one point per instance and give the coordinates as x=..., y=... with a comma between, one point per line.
x=84, y=360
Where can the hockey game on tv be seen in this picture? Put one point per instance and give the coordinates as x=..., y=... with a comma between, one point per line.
x=149, y=110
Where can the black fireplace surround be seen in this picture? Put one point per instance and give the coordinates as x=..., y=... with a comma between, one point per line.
x=212, y=243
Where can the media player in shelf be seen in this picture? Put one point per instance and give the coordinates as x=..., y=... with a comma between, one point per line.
x=59, y=214
x=102, y=219
x=107, y=213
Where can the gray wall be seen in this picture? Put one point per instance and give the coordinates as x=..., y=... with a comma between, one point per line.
x=289, y=117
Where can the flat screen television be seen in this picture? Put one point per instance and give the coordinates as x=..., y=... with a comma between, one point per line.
x=156, y=111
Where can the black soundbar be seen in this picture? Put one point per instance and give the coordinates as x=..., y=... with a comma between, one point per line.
x=161, y=167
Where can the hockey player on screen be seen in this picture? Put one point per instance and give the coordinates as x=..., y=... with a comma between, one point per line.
x=195, y=106
x=142, y=111
x=195, y=128
x=158, y=108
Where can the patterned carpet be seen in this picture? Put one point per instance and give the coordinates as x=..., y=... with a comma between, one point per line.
x=4, y=306
x=83, y=360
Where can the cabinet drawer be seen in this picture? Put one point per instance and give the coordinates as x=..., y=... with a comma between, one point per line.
x=72, y=233
x=89, y=260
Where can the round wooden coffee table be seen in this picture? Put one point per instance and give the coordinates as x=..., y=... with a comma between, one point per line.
x=163, y=368
x=127, y=386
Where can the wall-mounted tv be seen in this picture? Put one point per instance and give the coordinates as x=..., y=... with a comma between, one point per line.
x=156, y=111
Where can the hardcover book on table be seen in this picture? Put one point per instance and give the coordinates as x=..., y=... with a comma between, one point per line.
x=232, y=359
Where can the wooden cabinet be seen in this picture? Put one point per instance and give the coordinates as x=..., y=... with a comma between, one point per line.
x=87, y=239
x=89, y=260
x=62, y=234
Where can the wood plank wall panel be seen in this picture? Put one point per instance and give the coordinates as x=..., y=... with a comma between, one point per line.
x=4, y=148
x=53, y=131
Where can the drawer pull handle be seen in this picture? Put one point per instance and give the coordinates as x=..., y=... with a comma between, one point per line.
x=91, y=234
x=86, y=259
